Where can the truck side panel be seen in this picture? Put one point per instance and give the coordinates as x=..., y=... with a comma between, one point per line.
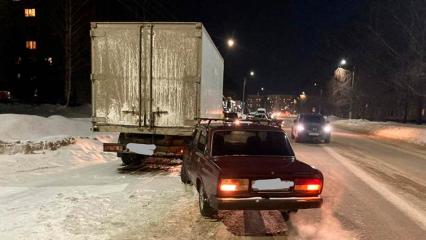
x=211, y=79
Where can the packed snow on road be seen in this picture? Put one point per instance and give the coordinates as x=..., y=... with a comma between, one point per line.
x=77, y=191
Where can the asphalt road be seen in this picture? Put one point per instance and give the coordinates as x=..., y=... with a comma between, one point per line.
x=374, y=189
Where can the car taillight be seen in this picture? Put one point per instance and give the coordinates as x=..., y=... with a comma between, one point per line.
x=308, y=185
x=233, y=185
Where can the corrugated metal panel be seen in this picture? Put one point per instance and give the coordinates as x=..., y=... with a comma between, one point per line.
x=211, y=79
x=115, y=72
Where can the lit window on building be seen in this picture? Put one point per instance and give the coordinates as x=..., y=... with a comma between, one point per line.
x=30, y=12
x=31, y=44
x=49, y=60
x=18, y=60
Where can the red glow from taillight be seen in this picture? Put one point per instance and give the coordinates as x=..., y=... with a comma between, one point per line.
x=308, y=185
x=233, y=185
x=228, y=187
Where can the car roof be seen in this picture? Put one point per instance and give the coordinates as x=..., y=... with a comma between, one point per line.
x=311, y=114
x=229, y=126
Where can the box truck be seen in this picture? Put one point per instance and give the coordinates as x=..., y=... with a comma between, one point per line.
x=151, y=81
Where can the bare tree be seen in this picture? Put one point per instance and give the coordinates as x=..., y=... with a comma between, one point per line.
x=340, y=90
x=70, y=24
x=401, y=29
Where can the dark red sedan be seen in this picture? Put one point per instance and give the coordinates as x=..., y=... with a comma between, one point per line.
x=248, y=165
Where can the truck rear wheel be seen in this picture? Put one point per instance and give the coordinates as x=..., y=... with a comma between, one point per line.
x=205, y=209
x=129, y=159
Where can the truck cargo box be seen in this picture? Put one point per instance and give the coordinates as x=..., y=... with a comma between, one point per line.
x=154, y=78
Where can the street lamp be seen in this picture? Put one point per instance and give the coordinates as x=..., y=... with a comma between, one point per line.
x=342, y=63
x=251, y=73
x=230, y=42
x=302, y=97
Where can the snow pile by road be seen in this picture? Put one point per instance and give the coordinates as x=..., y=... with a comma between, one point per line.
x=404, y=132
x=16, y=127
x=27, y=133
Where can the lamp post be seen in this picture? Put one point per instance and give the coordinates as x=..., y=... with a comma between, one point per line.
x=302, y=97
x=244, y=89
x=343, y=63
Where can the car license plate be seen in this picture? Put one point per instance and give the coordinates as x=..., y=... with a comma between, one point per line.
x=314, y=134
x=271, y=185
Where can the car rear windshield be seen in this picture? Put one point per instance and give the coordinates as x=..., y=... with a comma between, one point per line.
x=270, y=143
x=313, y=119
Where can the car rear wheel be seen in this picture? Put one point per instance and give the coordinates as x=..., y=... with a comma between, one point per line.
x=205, y=209
x=184, y=174
x=286, y=214
x=327, y=140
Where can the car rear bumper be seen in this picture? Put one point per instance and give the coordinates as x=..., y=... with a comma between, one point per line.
x=312, y=136
x=259, y=203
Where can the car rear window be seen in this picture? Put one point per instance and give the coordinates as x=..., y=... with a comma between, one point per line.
x=238, y=142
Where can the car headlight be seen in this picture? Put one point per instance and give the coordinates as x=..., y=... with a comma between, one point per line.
x=327, y=128
x=300, y=127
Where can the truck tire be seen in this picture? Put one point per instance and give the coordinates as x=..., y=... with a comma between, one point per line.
x=205, y=209
x=129, y=159
x=286, y=215
x=184, y=175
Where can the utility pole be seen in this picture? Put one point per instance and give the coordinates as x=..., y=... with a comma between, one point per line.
x=244, y=94
x=244, y=90
x=352, y=93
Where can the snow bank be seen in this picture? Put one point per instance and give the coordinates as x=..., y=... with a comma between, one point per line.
x=28, y=133
x=404, y=132
x=15, y=127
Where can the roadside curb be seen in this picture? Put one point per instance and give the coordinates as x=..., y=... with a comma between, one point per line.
x=29, y=147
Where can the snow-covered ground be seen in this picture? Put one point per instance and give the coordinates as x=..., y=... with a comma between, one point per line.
x=80, y=192
x=410, y=133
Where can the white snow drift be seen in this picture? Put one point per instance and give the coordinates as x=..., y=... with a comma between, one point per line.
x=17, y=127
x=404, y=132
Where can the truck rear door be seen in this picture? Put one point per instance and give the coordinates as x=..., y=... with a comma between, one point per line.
x=115, y=73
x=174, y=55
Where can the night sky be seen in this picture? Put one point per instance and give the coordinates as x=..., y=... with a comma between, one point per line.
x=284, y=42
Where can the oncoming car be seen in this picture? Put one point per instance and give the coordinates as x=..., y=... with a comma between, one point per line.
x=248, y=166
x=311, y=126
